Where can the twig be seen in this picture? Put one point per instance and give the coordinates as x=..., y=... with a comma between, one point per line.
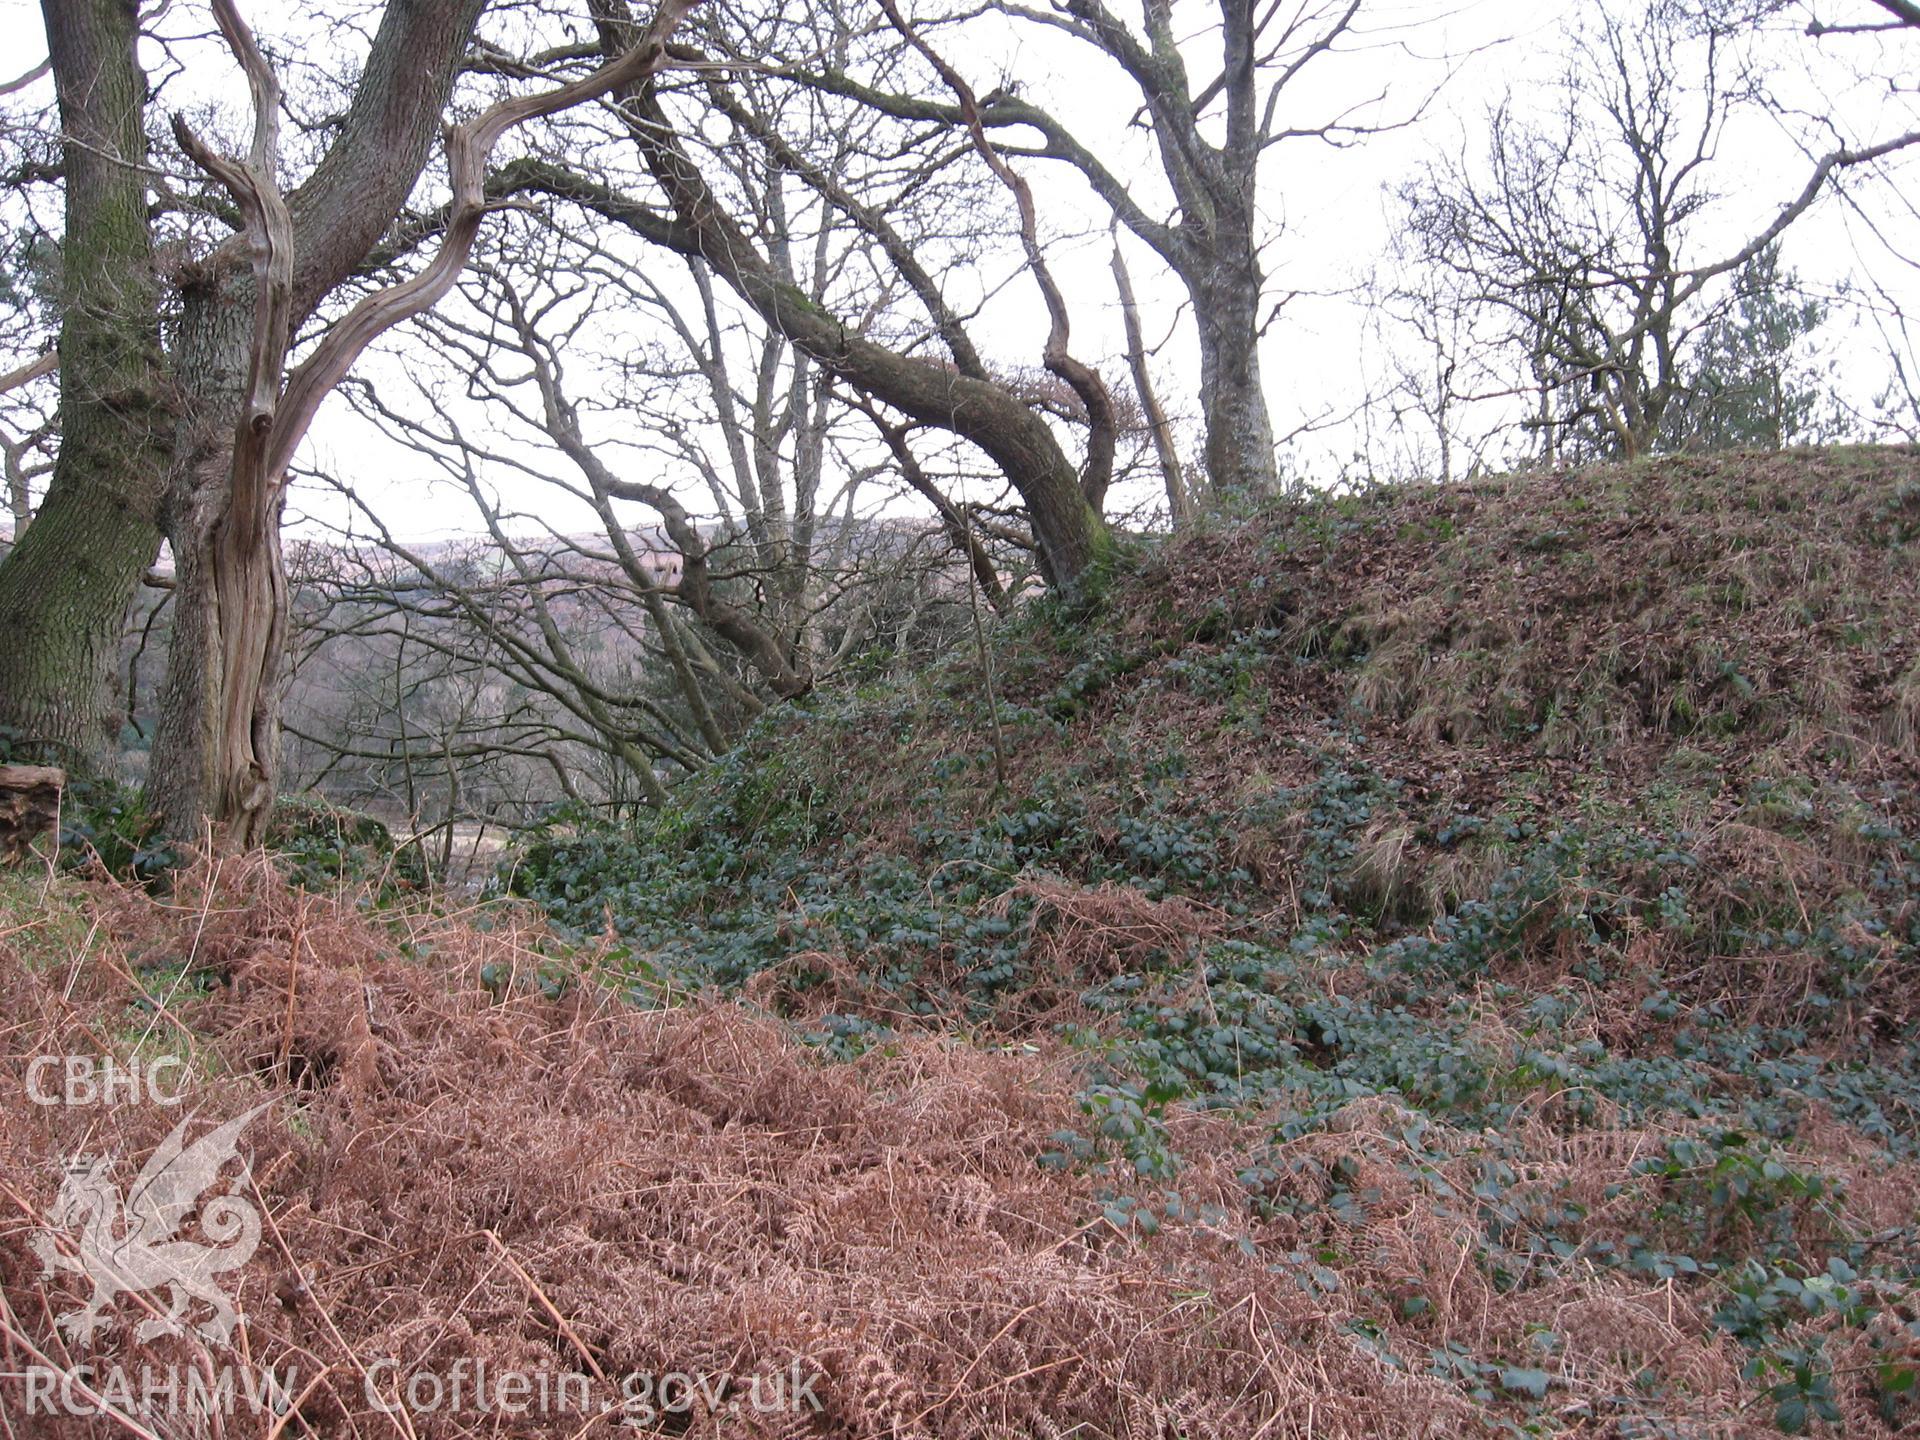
x=70, y=1378
x=534, y=1289
x=293, y=1407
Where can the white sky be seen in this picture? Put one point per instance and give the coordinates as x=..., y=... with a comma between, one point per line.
x=1331, y=213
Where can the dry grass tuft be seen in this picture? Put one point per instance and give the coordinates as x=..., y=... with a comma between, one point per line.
x=1111, y=929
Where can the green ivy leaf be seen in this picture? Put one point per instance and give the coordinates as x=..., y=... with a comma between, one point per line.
x=1531, y=1383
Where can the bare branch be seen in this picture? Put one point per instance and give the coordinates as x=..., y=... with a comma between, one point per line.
x=468, y=147
x=1097, y=472
x=42, y=365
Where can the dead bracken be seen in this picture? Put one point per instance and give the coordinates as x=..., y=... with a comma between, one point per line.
x=691, y=1189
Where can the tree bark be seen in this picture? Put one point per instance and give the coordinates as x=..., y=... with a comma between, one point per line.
x=217, y=751
x=1239, y=429
x=66, y=585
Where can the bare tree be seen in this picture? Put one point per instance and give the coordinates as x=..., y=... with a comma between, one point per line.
x=28, y=435
x=1579, y=235
x=692, y=217
x=1211, y=138
x=198, y=435
x=217, y=751
x=478, y=667
x=607, y=645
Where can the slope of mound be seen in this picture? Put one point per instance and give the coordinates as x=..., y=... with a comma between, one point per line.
x=1432, y=963
x=1573, y=814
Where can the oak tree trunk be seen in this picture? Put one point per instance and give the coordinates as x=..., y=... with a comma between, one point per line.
x=66, y=586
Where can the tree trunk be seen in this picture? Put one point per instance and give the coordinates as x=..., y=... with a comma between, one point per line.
x=216, y=752
x=1239, y=431
x=216, y=748
x=1180, y=506
x=1068, y=531
x=65, y=587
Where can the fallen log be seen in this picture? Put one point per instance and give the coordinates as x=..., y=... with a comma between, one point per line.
x=29, y=804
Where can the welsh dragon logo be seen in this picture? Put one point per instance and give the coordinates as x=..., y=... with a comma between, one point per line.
x=132, y=1245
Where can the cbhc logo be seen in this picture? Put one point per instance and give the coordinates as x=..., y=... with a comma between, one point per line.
x=89, y=1080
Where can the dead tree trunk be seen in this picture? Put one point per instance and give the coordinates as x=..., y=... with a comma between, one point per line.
x=1180, y=503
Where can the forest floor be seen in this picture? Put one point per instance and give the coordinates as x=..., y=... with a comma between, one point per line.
x=1437, y=962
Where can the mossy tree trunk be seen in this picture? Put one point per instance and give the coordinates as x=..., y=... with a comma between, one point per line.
x=1239, y=428
x=66, y=586
x=230, y=604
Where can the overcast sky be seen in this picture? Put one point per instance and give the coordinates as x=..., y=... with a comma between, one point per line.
x=1331, y=210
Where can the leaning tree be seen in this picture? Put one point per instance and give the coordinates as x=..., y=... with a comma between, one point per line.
x=663, y=178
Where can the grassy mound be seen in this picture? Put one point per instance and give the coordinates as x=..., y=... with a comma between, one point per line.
x=1434, y=963
x=1569, y=822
